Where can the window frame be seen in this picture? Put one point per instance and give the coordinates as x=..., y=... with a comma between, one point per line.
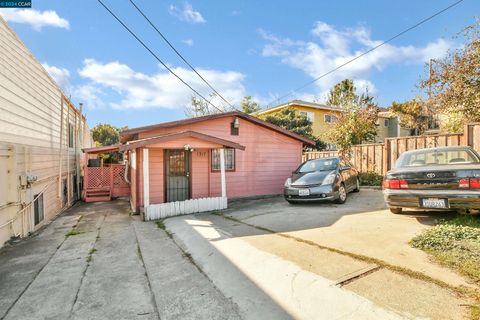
x=386, y=123
x=333, y=118
x=71, y=136
x=212, y=169
x=309, y=115
x=38, y=206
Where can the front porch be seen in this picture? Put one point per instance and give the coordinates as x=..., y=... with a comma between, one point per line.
x=179, y=173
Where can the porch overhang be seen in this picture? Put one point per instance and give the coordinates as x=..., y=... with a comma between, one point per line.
x=180, y=135
x=104, y=149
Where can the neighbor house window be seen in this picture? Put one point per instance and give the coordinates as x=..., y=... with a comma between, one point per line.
x=229, y=159
x=38, y=208
x=330, y=118
x=310, y=115
x=386, y=123
x=330, y=147
x=70, y=135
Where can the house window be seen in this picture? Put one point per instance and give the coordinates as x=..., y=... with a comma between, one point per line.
x=310, y=115
x=70, y=136
x=233, y=130
x=38, y=208
x=330, y=118
x=330, y=147
x=229, y=159
x=386, y=123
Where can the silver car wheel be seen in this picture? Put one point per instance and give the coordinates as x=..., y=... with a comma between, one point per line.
x=342, y=193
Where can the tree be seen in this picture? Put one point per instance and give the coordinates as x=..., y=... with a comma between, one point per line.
x=200, y=107
x=343, y=94
x=357, y=121
x=105, y=134
x=453, y=83
x=413, y=114
x=249, y=106
x=291, y=120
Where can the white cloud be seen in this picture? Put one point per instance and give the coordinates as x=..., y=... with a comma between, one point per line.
x=188, y=42
x=160, y=90
x=187, y=14
x=36, y=19
x=332, y=47
x=60, y=75
x=90, y=95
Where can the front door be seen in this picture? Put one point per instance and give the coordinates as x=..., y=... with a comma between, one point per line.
x=177, y=175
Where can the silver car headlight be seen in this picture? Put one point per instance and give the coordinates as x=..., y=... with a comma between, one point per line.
x=288, y=182
x=329, y=179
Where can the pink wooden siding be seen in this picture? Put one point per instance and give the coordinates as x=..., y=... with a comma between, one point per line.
x=262, y=168
x=156, y=175
x=200, y=173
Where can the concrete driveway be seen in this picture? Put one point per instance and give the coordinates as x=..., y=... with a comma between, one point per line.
x=321, y=261
x=112, y=266
x=260, y=259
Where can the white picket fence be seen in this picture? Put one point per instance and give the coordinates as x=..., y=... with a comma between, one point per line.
x=177, y=208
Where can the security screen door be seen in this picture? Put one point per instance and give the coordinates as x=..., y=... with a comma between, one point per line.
x=177, y=175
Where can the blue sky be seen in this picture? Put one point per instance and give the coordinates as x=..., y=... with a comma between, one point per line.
x=258, y=48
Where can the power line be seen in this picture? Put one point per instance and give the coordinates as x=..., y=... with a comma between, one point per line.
x=366, y=52
x=156, y=57
x=178, y=53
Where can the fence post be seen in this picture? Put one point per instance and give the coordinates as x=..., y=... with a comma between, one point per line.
x=385, y=159
x=466, y=135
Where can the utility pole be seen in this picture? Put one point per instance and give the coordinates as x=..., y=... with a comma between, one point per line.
x=432, y=118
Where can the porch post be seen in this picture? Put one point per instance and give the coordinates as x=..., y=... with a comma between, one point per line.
x=146, y=186
x=222, y=173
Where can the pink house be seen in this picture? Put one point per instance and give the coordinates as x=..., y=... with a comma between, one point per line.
x=195, y=164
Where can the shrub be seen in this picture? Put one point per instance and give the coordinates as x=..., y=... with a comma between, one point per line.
x=370, y=178
x=454, y=243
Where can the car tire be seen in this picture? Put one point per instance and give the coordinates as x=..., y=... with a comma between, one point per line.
x=396, y=210
x=292, y=202
x=342, y=194
x=357, y=187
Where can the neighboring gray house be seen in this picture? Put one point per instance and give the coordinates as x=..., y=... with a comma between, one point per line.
x=41, y=136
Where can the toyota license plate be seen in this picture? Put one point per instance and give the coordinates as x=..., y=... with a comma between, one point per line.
x=434, y=203
x=304, y=192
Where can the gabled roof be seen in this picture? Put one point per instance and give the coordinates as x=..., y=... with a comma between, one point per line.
x=130, y=134
x=302, y=103
x=177, y=135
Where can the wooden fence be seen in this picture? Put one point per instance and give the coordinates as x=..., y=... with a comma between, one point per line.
x=396, y=146
x=381, y=157
x=365, y=157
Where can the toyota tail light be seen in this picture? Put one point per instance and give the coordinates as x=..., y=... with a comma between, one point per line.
x=469, y=183
x=395, y=184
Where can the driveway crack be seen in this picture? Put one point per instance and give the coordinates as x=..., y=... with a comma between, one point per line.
x=152, y=294
x=88, y=265
x=357, y=275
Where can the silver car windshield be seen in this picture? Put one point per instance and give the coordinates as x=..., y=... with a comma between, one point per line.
x=434, y=157
x=327, y=164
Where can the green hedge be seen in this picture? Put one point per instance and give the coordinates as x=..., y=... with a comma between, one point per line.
x=370, y=179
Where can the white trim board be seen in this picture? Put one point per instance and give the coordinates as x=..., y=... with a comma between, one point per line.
x=177, y=208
